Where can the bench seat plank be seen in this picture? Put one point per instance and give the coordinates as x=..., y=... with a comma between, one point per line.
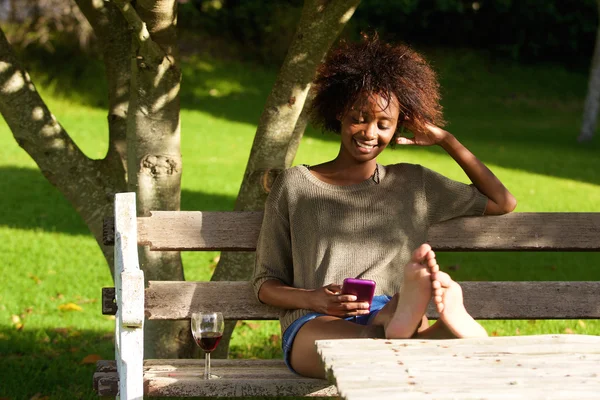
x=239, y=378
x=169, y=300
x=197, y=230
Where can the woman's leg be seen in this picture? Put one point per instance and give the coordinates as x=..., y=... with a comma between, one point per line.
x=304, y=357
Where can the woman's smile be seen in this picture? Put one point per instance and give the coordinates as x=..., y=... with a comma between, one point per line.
x=365, y=146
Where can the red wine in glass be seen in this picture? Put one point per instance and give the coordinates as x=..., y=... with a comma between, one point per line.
x=209, y=341
x=207, y=329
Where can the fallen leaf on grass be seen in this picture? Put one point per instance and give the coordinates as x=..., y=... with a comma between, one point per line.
x=91, y=359
x=87, y=301
x=517, y=331
x=16, y=321
x=39, y=396
x=495, y=333
x=252, y=325
x=35, y=278
x=70, y=307
x=275, y=339
x=62, y=331
x=581, y=323
x=568, y=330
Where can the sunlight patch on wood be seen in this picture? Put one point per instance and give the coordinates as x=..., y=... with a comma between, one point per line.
x=165, y=99
x=37, y=113
x=13, y=84
x=4, y=66
x=347, y=15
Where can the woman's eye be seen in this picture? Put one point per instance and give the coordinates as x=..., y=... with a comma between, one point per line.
x=384, y=127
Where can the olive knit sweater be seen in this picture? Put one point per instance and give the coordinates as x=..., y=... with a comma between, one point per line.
x=315, y=233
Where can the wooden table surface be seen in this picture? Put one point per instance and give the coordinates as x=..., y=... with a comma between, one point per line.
x=508, y=367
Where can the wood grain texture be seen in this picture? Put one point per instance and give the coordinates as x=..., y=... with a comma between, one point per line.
x=195, y=230
x=240, y=378
x=519, y=367
x=484, y=300
x=129, y=294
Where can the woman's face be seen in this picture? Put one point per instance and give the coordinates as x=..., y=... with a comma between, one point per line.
x=369, y=126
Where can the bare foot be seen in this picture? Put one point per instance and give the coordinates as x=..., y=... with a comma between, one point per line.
x=414, y=295
x=448, y=299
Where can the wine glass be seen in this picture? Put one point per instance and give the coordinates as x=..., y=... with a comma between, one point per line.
x=207, y=329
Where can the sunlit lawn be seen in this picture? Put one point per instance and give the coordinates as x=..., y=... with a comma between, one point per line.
x=522, y=121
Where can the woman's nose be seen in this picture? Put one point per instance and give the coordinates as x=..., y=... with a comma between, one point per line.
x=370, y=131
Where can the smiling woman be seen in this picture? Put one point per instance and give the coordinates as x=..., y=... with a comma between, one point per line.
x=354, y=218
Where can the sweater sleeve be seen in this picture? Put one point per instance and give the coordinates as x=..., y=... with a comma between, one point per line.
x=273, y=250
x=447, y=199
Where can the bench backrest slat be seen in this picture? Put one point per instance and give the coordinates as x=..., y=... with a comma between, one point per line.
x=195, y=230
x=483, y=300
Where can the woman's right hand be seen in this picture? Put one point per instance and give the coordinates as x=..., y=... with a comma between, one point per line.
x=330, y=300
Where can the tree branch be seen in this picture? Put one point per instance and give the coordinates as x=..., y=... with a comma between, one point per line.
x=37, y=131
x=140, y=30
x=281, y=124
x=34, y=127
x=115, y=40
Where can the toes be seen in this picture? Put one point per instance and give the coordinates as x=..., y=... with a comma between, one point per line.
x=443, y=278
x=436, y=285
x=433, y=266
x=438, y=292
x=439, y=306
x=421, y=252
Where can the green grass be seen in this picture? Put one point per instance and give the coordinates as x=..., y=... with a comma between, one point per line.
x=521, y=121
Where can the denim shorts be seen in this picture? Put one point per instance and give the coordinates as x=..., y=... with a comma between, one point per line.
x=290, y=333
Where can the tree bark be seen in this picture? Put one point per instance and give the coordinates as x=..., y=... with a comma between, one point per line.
x=282, y=123
x=84, y=182
x=114, y=37
x=153, y=149
x=592, y=100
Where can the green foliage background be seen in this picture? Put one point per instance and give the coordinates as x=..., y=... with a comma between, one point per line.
x=527, y=30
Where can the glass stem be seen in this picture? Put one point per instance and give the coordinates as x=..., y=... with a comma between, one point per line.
x=207, y=366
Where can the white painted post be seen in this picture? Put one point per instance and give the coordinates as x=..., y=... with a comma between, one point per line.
x=129, y=293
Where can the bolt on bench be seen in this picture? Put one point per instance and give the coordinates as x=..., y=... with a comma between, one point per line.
x=131, y=377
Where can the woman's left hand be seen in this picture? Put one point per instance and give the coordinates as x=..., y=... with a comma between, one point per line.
x=431, y=136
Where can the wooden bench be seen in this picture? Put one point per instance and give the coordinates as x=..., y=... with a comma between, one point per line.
x=131, y=376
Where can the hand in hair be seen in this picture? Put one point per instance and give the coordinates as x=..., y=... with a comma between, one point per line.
x=432, y=135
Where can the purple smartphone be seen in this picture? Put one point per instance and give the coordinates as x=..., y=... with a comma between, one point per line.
x=363, y=289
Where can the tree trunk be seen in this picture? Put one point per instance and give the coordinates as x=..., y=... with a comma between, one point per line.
x=592, y=100
x=282, y=123
x=153, y=150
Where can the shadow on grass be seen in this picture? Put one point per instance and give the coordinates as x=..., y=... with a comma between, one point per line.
x=51, y=362
x=29, y=201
